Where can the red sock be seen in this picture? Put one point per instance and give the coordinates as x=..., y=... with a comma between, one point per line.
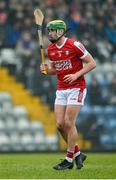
x=77, y=150
x=69, y=155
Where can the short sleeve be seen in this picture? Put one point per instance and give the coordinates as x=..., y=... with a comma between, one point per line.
x=80, y=49
x=49, y=53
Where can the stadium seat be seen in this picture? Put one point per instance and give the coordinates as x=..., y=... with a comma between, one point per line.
x=110, y=110
x=52, y=142
x=107, y=67
x=8, y=56
x=5, y=96
x=87, y=109
x=37, y=126
x=112, y=124
x=98, y=110
x=2, y=125
x=20, y=111
x=15, y=142
x=4, y=142
x=108, y=140
x=10, y=124
x=23, y=125
x=40, y=141
x=27, y=142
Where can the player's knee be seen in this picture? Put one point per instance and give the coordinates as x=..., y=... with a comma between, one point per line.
x=59, y=126
x=68, y=123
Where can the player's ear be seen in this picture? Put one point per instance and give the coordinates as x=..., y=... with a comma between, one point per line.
x=60, y=32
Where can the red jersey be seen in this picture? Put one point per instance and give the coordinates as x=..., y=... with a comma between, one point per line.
x=67, y=59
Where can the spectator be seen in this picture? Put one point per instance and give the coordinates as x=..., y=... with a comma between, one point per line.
x=111, y=31
x=24, y=51
x=112, y=90
x=95, y=92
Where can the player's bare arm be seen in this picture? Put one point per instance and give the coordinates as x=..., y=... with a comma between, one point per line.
x=90, y=64
x=48, y=68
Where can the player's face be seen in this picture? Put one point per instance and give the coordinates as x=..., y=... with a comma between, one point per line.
x=52, y=35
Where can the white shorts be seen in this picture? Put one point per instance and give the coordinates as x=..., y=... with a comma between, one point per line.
x=74, y=96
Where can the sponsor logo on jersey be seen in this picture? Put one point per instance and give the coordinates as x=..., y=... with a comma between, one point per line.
x=63, y=64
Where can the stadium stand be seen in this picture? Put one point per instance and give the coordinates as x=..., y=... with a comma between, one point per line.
x=18, y=132
x=20, y=75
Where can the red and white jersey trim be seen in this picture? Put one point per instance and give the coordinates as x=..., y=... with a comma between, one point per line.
x=62, y=44
x=81, y=48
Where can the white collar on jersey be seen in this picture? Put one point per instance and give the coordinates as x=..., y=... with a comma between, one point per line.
x=62, y=44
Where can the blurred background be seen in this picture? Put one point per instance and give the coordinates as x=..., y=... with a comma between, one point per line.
x=27, y=120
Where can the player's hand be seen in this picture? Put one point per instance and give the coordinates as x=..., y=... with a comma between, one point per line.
x=69, y=78
x=43, y=68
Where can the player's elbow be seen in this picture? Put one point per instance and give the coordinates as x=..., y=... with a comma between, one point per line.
x=93, y=64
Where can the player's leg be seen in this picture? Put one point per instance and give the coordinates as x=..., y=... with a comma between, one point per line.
x=72, y=112
x=59, y=116
x=60, y=109
x=70, y=128
x=60, y=119
x=76, y=98
x=66, y=117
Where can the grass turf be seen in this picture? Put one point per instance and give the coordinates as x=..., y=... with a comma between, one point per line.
x=39, y=166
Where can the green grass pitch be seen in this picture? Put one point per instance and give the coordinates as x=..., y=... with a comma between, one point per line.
x=39, y=166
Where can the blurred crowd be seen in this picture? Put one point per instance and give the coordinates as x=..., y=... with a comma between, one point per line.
x=91, y=21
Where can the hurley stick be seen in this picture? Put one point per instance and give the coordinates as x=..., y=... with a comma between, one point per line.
x=39, y=21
